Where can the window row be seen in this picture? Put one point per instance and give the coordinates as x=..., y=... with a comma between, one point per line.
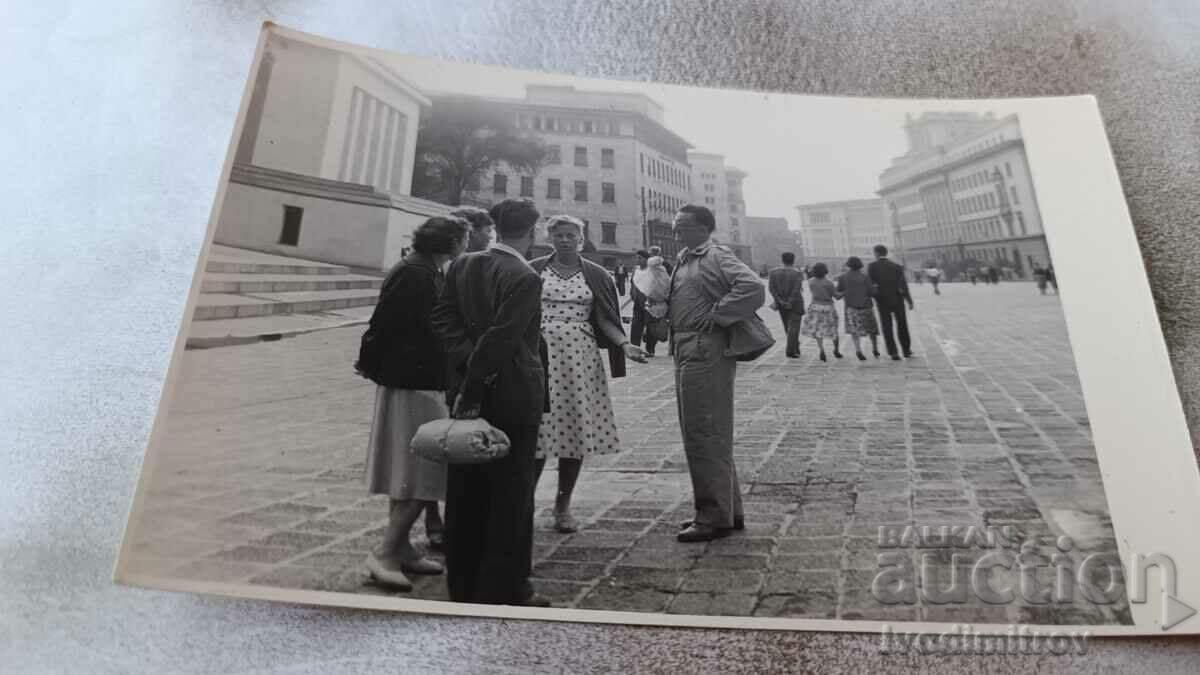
x=568, y=125
x=608, y=191
x=665, y=172
x=980, y=178
x=661, y=202
x=608, y=157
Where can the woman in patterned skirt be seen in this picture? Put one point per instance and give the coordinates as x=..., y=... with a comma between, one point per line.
x=855, y=288
x=821, y=319
x=580, y=316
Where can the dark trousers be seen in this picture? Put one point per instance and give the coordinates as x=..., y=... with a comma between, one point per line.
x=489, y=524
x=791, y=326
x=885, y=324
x=620, y=285
x=639, y=328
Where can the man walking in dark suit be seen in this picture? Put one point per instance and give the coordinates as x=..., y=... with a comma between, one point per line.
x=786, y=284
x=890, y=298
x=489, y=318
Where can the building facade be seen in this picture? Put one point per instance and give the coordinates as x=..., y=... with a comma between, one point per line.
x=768, y=239
x=323, y=166
x=611, y=163
x=963, y=195
x=833, y=231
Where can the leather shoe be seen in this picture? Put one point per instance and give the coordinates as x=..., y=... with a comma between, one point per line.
x=697, y=532
x=739, y=523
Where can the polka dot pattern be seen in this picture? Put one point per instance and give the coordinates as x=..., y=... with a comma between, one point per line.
x=580, y=422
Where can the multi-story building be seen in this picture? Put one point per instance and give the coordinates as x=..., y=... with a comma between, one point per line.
x=719, y=187
x=611, y=163
x=834, y=231
x=768, y=239
x=963, y=195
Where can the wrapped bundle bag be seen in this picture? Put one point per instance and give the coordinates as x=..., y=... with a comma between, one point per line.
x=451, y=441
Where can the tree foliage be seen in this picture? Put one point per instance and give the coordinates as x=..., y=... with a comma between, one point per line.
x=459, y=140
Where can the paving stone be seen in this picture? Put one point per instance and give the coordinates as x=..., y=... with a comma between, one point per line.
x=991, y=432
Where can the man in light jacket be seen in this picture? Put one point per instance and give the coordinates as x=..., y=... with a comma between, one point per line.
x=711, y=290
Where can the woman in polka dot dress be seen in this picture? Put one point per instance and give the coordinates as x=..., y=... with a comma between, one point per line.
x=580, y=316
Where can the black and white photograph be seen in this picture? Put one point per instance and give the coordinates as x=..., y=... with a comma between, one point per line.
x=488, y=338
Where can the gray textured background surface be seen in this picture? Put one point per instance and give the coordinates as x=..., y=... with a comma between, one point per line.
x=115, y=126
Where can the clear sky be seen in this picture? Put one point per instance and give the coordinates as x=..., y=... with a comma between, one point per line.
x=796, y=149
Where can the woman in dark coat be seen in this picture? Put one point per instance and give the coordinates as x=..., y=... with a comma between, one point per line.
x=580, y=316
x=401, y=354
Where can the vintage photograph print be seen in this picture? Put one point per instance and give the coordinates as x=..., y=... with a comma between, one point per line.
x=468, y=339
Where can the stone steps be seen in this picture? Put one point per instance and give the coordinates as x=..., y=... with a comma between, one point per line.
x=248, y=283
x=247, y=296
x=233, y=306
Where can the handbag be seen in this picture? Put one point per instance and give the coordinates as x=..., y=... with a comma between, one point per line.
x=749, y=339
x=454, y=441
x=660, y=330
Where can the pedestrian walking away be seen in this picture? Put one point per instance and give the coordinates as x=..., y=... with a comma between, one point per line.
x=935, y=277
x=821, y=319
x=579, y=317
x=402, y=355
x=712, y=291
x=854, y=287
x=891, y=296
x=489, y=317
x=786, y=284
x=620, y=276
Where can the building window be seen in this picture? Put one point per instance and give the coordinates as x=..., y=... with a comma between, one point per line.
x=607, y=158
x=473, y=183
x=500, y=184
x=1013, y=190
x=554, y=188
x=608, y=233
x=608, y=192
x=554, y=154
x=581, y=191
x=526, y=186
x=642, y=161
x=290, y=234
x=537, y=123
x=1021, y=220
x=580, y=156
x=1008, y=169
x=587, y=127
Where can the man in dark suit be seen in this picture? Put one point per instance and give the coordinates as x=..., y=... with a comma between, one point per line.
x=786, y=284
x=890, y=298
x=489, y=317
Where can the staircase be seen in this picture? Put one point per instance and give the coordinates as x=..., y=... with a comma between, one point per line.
x=247, y=296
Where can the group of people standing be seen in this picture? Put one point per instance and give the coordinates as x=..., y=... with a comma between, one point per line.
x=881, y=288
x=467, y=327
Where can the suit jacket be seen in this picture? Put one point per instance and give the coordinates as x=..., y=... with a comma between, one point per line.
x=606, y=314
x=786, y=285
x=891, y=288
x=490, y=319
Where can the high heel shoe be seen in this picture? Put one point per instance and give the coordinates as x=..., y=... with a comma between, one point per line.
x=822, y=356
x=876, y=352
x=393, y=579
x=837, y=354
x=861, y=356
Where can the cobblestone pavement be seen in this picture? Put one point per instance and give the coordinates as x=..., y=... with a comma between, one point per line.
x=260, y=479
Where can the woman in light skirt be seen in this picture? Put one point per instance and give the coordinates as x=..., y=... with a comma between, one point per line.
x=401, y=354
x=855, y=288
x=821, y=319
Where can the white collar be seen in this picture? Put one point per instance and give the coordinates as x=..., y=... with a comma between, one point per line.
x=501, y=246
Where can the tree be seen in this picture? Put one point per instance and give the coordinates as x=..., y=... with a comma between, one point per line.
x=459, y=140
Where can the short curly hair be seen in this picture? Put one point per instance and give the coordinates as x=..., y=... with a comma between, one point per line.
x=854, y=262
x=820, y=270
x=440, y=235
x=477, y=217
